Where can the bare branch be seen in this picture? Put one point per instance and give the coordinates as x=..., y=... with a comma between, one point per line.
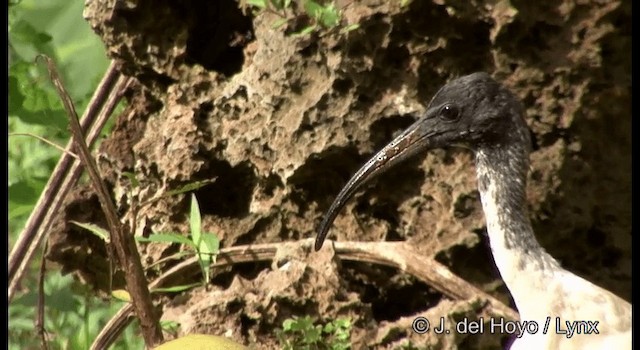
x=124, y=243
x=64, y=177
x=394, y=254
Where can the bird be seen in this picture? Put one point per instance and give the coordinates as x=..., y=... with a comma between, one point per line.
x=558, y=309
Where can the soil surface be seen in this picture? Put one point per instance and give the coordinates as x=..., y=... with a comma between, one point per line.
x=281, y=122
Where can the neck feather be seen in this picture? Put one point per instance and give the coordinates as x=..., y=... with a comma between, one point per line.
x=524, y=265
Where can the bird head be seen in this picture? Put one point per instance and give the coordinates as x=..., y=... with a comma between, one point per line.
x=473, y=111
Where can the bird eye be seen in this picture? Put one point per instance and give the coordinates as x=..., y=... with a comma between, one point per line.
x=449, y=113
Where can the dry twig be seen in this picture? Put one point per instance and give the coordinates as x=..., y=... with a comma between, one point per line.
x=64, y=177
x=394, y=254
x=125, y=246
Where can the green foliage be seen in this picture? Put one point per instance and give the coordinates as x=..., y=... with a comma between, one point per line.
x=73, y=317
x=95, y=229
x=323, y=15
x=171, y=327
x=302, y=333
x=205, y=245
x=55, y=28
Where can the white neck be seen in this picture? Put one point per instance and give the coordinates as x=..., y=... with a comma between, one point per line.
x=526, y=268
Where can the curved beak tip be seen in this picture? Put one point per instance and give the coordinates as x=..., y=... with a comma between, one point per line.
x=319, y=242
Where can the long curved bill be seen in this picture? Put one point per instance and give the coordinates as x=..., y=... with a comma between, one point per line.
x=413, y=140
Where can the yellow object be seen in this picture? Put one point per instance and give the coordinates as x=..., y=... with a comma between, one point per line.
x=201, y=342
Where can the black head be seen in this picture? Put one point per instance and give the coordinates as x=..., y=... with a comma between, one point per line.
x=473, y=111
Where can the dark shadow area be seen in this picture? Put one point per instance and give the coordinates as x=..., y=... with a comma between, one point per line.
x=392, y=295
x=248, y=271
x=323, y=175
x=218, y=33
x=230, y=194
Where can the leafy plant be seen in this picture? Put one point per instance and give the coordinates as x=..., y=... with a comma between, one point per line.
x=322, y=14
x=302, y=333
x=205, y=245
x=73, y=316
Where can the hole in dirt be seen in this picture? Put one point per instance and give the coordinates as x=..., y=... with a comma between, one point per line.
x=323, y=175
x=394, y=236
x=397, y=58
x=596, y=238
x=204, y=111
x=466, y=205
x=230, y=194
x=392, y=188
x=248, y=271
x=309, y=50
x=342, y=86
x=218, y=33
x=391, y=295
x=610, y=257
x=382, y=131
x=272, y=182
x=249, y=237
x=246, y=324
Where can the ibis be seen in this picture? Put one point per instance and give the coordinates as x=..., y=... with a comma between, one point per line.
x=561, y=309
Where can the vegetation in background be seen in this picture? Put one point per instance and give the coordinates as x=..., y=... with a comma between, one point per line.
x=302, y=333
x=204, y=245
x=55, y=28
x=320, y=14
x=73, y=315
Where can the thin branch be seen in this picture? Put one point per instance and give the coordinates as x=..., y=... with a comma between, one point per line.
x=64, y=177
x=50, y=143
x=394, y=254
x=124, y=244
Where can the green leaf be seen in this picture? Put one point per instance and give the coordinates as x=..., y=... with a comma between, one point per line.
x=277, y=24
x=121, y=294
x=167, y=238
x=23, y=31
x=195, y=221
x=169, y=326
x=312, y=8
x=33, y=100
x=207, y=251
x=18, y=210
x=16, y=98
x=132, y=178
x=349, y=28
x=258, y=3
x=209, y=246
x=343, y=322
x=277, y=4
x=329, y=17
x=175, y=289
x=192, y=186
x=306, y=30
x=313, y=335
x=25, y=192
x=329, y=328
x=287, y=325
x=95, y=229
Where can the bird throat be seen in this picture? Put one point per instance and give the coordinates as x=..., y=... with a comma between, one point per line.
x=502, y=176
